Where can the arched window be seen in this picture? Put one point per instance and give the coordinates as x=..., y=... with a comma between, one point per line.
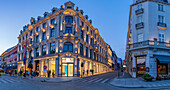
x=68, y=47
x=69, y=19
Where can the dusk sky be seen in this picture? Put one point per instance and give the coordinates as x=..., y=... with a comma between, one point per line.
x=109, y=16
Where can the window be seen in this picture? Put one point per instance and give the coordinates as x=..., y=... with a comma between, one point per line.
x=69, y=19
x=82, y=34
x=53, y=11
x=161, y=37
x=160, y=7
x=139, y=6
x=53, y=21
x=87, y=28
x=91, y=54
x=44, y=25
x=91, y=41
x=44, y=36
x=26, y=36
x=139, y=19
x=87, y=52
x=37, y=39
x=37, y=29
x=52, y=48
x=44, y=50
x=30, y=33
x=87, y=38
x=140, y=37
x=37, y=52
x=52, y=33
x=68, y=30
x=23, y=38
x=161, y=19
x=82, y=23
x=68, y=47
x=81, y=50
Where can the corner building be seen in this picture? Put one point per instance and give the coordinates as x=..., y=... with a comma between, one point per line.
x=61, y=40
x=148, y=40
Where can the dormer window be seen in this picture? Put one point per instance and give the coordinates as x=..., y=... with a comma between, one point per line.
x=53, y=11
x=45, y=15
x=44, y=25
x=69, y=19
x=69, y=7
x=52, y=21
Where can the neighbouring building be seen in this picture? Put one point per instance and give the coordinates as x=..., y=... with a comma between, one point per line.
x=148, y=38
x=4, y=58
x=0, y=61
x=62, y=41
x=11, y=61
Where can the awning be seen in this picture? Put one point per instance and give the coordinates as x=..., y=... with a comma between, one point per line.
x=163, y=59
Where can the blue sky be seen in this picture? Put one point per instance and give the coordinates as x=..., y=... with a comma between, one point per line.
x=109, y=16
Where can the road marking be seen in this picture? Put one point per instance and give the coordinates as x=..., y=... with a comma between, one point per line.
x=99, y=80
x=104, y=81
x=93, y=80
x=3, y=81
x=9, y=81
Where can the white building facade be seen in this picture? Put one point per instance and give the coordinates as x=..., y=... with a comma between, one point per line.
x=148, y=38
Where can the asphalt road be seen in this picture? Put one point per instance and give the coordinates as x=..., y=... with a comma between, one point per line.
x=99, y=82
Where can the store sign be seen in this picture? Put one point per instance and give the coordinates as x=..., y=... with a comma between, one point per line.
x=67, y=59
x=141, y=53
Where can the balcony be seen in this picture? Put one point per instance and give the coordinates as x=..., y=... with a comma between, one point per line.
x=139, y=11
x=163, y=25
x=140, y=25
x=149, y=43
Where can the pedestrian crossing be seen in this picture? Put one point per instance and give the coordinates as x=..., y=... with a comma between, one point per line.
x=94, y=80
x=9, y=80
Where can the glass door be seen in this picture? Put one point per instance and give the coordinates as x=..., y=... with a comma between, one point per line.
x=70, y=70
x=64, y=70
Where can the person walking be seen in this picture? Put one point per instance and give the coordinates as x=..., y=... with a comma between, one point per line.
x=49, y=73
x=87, y=72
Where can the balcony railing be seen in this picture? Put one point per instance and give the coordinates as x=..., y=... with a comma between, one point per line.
x=139, y=11
x=140, y=25
x=149, y=43
x=161, y=24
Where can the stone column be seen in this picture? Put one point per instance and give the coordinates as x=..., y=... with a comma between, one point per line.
x=56, y=67
x=134, y=66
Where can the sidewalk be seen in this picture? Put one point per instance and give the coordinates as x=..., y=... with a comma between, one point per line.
x=138, y=83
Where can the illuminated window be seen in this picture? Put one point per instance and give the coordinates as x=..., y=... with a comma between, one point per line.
x=68, y=47
x=69, y=19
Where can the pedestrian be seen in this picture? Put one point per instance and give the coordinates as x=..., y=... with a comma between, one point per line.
x=15, y=72
x=49, y=73
x=87, y=72
x=92, y=72
x=53, y=73
x=83, y=72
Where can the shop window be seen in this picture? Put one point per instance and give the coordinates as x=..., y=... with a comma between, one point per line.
x=162, y=69
x=68, y=47
x=141, y=66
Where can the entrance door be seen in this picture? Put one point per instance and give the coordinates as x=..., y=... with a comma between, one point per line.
x=70, y=70
x=67, y=70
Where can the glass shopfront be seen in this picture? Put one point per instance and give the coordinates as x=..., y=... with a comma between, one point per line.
x=162, y=69
x=141, y=66
x=67, y=67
